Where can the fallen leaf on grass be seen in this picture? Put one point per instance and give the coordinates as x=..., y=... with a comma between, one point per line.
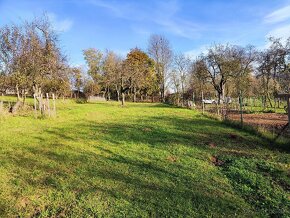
x=172, y=158
x=24, y=202
x=216, y=161
x=233, y=136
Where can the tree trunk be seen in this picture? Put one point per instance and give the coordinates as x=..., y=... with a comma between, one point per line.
x=38, y=95
x=163, y=94
x=219, y=97
x=123, y=98
x=269, y=99
x=178, y=99
x=134, y=94
x=24, y=97
x=109, y=94
x=162, y=90
x=122, y=92
x=182, y=87
x=118, y=93
x=16, y=107
x=221, y=91
x=18, y=93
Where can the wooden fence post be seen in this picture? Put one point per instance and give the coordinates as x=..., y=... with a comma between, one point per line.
x=47, y=103
x=54, y=107
x=288, y=105
x=193, y=103
x=1, y=104
x=35, y=109
x=202, y=102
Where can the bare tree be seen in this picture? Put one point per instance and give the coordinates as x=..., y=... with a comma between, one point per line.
x=77, y=79
x=110, y=75
x=181, y=65
x=42, y=58
x=199, y=79
x=273, y=68
x=244, y=57
x=220, y=65
x=30, y=55
x=160, y=51
x=175, y=80
x=11, y=54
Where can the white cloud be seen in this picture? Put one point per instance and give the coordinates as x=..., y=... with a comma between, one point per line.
x=122, y=53
x=280, y=32
x=60, y=25
x=166, y=15
x=106, y=5
x=179, y=27
x=141, y=31
x=194, y=53
x=163, y=14
x=279, y=15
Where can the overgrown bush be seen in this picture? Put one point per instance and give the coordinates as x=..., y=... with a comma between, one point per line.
x=81, y=100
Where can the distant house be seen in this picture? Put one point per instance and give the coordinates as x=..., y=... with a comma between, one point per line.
x=10, y=92
x=81, y=94
x=96, y=98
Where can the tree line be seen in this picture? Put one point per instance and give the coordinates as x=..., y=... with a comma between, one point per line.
x=32, y=63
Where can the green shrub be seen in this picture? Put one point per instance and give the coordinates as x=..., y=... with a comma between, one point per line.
x=81, y=101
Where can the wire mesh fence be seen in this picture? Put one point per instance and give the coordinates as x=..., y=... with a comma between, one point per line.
x=256, y=112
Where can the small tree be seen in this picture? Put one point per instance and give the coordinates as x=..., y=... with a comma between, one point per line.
x=220, y=65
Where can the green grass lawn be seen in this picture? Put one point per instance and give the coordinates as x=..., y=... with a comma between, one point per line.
x=143, y=160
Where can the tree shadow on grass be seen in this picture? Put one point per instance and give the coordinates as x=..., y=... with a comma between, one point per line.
x=127, y=163
x=165, y=131
x=152, y=186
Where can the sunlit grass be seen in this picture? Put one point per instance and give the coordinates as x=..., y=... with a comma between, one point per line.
x=142, y=160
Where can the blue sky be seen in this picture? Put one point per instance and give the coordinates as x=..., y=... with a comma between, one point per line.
x=119, y=25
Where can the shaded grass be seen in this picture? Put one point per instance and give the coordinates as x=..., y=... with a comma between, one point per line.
x=143, y=160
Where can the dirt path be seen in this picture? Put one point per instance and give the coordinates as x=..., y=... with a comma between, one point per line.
x=267, y=120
